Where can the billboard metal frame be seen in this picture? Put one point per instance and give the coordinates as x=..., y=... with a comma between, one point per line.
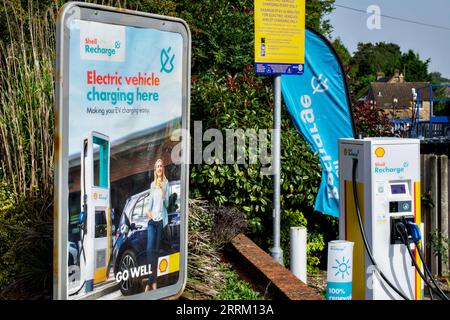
x=127, y=18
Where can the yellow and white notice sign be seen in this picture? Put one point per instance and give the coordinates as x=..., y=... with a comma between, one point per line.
x=279, y=36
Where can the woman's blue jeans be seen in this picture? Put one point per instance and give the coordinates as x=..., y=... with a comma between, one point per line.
x=154, y=235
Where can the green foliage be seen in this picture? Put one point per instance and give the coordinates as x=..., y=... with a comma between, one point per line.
x=26, y=107
x=370, y=59
x=26, y=234
x=360, y=85
x=8, y=217
x=427, y=200
x=206, y=276
x=380, y=57
x=314, y=247
x=342, y=51
x=436, y=77
x=439, y=244
x=236, y=289
x=245, y=102
x=225, y=94
x=316, y=10
x=441, y=108
x=222, y=31
x=415, y=69
x=370, y=121
x=26, y=154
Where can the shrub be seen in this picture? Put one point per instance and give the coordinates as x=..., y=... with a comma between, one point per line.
x=244, y=101
x=26, y=245
x=207, y=235
x=371, y=121
x=236, y=289
x=8, y=218
x=26, y=156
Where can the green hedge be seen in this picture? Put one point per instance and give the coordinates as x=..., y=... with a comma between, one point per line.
x=245, y=101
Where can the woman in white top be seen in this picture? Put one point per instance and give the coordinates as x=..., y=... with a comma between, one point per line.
x=157, y=219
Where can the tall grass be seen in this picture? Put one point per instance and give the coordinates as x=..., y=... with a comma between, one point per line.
x=27, y=59
x=27, y=102
x=26, y=152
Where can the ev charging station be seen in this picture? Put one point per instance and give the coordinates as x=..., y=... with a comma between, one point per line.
x=386, y=173
x=95, y=206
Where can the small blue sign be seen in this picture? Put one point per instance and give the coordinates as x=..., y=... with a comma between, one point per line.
x=339, y=291
x=268, y=68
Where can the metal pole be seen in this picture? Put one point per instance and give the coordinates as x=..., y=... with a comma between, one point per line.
x=276, y=251
x=430, y=131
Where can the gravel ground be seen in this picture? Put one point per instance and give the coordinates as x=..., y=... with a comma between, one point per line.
x=318, y=281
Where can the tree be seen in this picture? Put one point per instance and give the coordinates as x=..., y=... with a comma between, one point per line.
x=414, y=68
x=370, y=121
x=372, y=58
x=316, y=10
x=436, y=77
x=342, y=51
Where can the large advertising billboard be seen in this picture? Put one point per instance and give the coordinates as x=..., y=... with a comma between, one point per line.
x=121, y=169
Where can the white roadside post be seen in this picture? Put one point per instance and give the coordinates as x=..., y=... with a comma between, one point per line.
x=298, y=252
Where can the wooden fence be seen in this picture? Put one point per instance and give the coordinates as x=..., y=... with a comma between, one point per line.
x=435, y=210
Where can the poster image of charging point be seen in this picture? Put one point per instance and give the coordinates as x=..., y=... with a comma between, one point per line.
x=125, y=99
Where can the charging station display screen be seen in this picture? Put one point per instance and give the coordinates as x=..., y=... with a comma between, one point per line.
x=101, y=225
x=124, y=105
x=398, y=188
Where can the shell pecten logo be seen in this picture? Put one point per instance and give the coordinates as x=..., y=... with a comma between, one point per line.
x=379, y=152
x=163, y=265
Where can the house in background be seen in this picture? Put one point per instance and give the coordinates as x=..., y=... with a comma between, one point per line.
x=397, y=98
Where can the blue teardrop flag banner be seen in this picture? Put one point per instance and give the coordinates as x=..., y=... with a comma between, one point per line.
x=319, y=104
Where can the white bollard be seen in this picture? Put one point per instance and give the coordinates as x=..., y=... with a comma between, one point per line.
x=298, y=252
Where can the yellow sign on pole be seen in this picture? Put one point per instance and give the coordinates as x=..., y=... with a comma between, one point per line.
x=279, y=36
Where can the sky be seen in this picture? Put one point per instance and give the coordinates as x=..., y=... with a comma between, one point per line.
x=429, y=42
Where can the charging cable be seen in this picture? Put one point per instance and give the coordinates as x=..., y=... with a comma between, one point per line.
x=401, y=229
x=83, y=216
x=415, y=234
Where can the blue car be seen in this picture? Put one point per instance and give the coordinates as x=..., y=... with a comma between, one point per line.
x=131, y=239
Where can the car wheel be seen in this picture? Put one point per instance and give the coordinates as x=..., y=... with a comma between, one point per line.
x=129, y=286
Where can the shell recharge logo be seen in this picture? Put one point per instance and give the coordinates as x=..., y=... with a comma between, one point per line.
x=102, y=42
x=380, y=152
